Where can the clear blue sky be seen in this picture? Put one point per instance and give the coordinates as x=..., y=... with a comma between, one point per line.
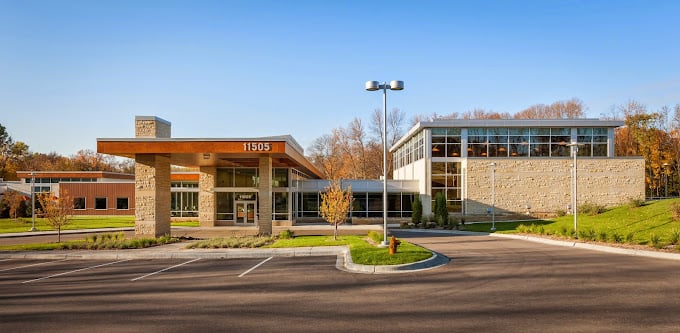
x=72, y=71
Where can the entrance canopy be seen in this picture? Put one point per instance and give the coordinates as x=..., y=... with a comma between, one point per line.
x=239, y=152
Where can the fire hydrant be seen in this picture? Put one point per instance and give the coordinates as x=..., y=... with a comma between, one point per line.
x=394, y=243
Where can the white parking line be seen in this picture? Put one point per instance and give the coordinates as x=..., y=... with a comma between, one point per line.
x=256, y=266
x=77, y=270
x=164, y=269
x=40, y=263
x=6, y=259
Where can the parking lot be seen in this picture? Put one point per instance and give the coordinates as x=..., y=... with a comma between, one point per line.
x=490, y=285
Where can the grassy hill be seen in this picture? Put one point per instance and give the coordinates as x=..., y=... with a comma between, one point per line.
x=650, y=224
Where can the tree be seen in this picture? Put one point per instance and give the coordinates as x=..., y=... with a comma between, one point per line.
x=57, y=210
x=441, y=212
x=13, y=200
x=335, y=204
x=417, y=214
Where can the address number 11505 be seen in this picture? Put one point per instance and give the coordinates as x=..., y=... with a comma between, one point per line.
x=257, y=146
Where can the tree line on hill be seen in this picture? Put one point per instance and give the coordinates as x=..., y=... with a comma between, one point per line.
x=16, y=156
x=355, y=151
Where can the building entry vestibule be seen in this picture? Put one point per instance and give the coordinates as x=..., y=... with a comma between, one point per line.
x=246, y=212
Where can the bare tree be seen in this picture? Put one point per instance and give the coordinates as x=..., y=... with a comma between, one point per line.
x=335, y=204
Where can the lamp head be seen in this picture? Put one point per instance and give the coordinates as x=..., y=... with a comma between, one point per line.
x=372, y=85
x=396, y=85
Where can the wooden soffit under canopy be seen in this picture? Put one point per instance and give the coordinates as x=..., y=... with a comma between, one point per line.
x=285, y=153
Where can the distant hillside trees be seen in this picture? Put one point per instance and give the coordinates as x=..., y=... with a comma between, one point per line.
x=16, y=156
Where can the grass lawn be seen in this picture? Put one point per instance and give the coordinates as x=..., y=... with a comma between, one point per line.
x=655, y=218
x=362, y=252
x=77, y=222
x=94, y=242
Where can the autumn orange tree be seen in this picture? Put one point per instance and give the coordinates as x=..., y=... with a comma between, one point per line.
x=335, y=204
x=13, y=200
x=57, y=210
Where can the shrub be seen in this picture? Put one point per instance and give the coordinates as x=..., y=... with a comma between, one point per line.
x=453, y=222
x=375, y=236
x=634, y=203
x=417, y=211
x=675, y=236
x=675, y=211
x=617, y=238
x=564, y=231
x=630, y=237
x=588, y=235
x=560, y=213
x=441, y=212
x=655, y=240
x=602, y=236
x=286, y=234
x=591, y=209
x=522, y=229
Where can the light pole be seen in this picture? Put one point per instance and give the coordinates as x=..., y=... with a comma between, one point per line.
x=373, y=86
x=493, y=195
x=33, y=202
x=574, y=185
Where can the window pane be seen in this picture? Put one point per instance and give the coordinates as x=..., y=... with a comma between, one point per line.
x=280, y=178
x=600, y=150
x=280, y=202
x=79, y=203
x=375, y=202
x=225, y=177
x=121, y=203
x=245, y=177
x=540, y=150
x=99, y=203
x=517, y=150
x=560, y=150
x=438, y=168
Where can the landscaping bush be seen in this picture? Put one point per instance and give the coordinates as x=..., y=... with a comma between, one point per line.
x=655, y=240
x=453, y=222
x=286, y=234
x=630, y=237
x=417, y=211
x=233, y=242
x=675, y=236
x=377, y=237
x=602, y=236
x=634, y=203
x=591, y=209
x=675, y=211
x=560, y=213
x=617, y=238
x=587, y=235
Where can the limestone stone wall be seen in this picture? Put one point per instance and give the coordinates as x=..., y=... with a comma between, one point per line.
x=152, y=195
x=206, y=196
x=264, y=222
x=544, y=185
x=152, y=127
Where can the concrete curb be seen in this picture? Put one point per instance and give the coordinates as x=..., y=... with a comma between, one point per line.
x=594, y=247
x=564, y=243
x=346, y=264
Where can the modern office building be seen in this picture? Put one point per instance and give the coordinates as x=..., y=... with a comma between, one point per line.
x=528, y=161
x=513, y=166
x=257, y=182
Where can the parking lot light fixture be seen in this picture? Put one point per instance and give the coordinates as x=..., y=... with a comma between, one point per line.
x=574, y=185
x=373, y=86
x=493, y=195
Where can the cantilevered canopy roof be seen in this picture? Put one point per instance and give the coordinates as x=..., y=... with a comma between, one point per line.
x=231, y=152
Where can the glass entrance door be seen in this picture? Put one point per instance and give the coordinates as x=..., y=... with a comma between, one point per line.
x=245, y=212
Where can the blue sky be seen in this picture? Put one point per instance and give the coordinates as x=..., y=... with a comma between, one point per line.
x=73, y=71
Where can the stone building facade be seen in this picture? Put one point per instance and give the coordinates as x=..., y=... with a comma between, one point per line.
x=529, y=163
